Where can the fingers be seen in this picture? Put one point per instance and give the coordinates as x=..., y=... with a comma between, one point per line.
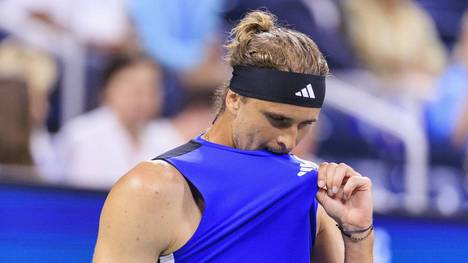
x=331, y=172
x=322, y=175
x=354, y=183
x=342, y=170
x=321, y=196
x=333, y=177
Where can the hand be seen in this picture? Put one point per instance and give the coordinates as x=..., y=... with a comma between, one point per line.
x=345, y=195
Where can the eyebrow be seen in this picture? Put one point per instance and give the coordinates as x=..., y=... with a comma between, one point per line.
x=287, y=119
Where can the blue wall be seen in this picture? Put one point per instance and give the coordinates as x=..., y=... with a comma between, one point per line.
x=48, y=225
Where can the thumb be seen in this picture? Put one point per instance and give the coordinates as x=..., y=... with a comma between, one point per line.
x=329, y=204
x=322, y=196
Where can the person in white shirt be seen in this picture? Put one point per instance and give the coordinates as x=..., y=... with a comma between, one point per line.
x=99, y=146
x=38, y=70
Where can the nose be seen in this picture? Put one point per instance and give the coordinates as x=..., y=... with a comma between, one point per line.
x=288, y=139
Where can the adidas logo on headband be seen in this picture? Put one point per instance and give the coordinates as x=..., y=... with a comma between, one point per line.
x=306, y=92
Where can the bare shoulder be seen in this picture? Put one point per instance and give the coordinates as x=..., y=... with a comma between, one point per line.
x=140, y=214
x=154, y=187
x=153, y=178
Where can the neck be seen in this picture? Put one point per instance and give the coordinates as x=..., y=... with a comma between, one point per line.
x=221, y=132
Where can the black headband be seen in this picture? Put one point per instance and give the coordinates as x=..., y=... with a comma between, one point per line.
x=279, y=86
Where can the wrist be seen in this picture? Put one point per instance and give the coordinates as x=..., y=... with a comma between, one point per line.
x=350, y=228
x=362, y=224
x=356, y=234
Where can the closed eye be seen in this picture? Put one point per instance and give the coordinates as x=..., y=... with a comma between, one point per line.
x=281, y=121
x=305, y=124
x=278, y=120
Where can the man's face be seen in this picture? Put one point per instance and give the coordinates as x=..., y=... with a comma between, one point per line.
x=276, y=127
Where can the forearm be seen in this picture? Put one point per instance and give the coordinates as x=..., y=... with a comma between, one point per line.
x=359, y=251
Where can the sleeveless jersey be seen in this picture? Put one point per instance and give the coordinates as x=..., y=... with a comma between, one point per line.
x=259, y=206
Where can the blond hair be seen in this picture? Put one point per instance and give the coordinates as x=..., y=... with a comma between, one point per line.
x=38, y=69
x=258, y=41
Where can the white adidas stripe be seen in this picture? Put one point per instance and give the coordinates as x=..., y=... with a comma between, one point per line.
x=311, y=91
x=167, y=259
x=308, y=169
x=307, y=92
x=301, y=173
x=305, y=166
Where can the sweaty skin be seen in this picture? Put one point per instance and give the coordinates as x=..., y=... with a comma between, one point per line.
x=151, y=211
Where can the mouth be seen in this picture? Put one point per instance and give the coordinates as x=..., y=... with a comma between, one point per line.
x=277, y=151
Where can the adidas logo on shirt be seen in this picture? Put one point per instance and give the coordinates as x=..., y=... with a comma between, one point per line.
x=306, y=92
x=306, y=166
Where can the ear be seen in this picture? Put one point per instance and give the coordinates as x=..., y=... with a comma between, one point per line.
x=233, y=102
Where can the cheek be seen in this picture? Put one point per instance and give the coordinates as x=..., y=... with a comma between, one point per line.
x=244, y=133
x=262, y=136
x=305, y=132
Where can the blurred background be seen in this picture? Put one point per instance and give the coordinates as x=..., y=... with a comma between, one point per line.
x=90, y=88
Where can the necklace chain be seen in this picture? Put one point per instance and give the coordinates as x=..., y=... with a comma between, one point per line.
x=205, y=136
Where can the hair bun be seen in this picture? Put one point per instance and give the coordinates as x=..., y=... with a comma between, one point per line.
x=253, y=23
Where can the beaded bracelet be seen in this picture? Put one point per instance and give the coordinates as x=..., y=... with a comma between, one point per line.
x=356, y=239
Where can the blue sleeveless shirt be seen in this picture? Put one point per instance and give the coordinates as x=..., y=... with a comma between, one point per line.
x=259, y=206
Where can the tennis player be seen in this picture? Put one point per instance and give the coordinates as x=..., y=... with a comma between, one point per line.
x=235, y=193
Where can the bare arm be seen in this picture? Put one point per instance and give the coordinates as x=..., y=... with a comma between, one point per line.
x=327, y=233
x=346, y=199
x=137, y=217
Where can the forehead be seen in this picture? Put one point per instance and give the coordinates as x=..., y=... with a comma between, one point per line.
x=292, y=111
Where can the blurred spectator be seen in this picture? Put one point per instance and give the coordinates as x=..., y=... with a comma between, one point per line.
x=176, y=33
x=3, y=34
x=196, y=115
x=447, y=16
x=211, y=72
x=185, y=38
x=397, y=40
x=448, y=111
x=96, y=23
x=14, y=125
x=100, y=146
x=80, y=34
x=39, y=73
